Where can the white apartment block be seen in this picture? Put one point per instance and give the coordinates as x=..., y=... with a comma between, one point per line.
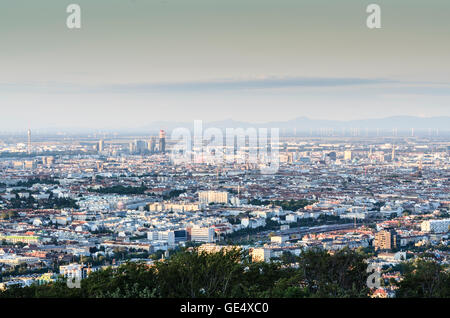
x=435, y=226
x=253, y=222
x=202, y=234
x=207, y=197
x=175, y=207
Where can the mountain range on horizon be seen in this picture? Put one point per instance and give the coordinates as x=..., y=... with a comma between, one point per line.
x=401, y=123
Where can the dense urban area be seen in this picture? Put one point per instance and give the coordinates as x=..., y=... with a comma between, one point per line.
x=116, y=213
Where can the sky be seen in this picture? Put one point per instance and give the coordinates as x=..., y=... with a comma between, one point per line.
x=138, y=61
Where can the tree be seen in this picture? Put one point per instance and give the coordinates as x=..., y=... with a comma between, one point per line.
x=194, y=274
x=288, y=258
x=424, y=278
x=340, y=275
x=131, y=280
x=191, y=274
x=259, y=279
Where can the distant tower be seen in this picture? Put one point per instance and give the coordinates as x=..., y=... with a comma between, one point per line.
x=393, y=152
x=29, y=141
x=162, y=141
x=101, y=145
x=152, y=144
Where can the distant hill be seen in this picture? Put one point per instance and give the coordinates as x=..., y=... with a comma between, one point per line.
x=401, y=123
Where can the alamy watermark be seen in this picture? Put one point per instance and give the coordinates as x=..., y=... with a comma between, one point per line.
x=258, y=148
x=374, y=271
x=73, y=281
x=74, y=19
x=373, y=21
x=374, y=279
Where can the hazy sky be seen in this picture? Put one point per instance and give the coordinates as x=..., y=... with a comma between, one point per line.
x=138, y=61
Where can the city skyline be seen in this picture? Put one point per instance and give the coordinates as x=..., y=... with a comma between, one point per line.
x=88, y=208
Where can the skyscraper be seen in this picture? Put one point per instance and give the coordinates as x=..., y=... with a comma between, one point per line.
x=152, y=144
x=29, y=141
x=101, y=145
x=140, y=146
x=162, y=141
